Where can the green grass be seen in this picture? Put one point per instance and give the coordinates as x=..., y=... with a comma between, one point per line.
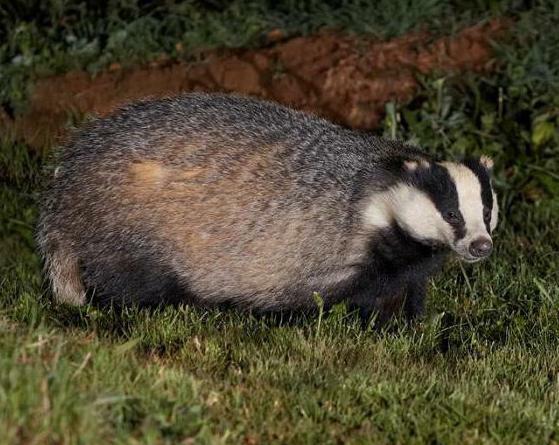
x=482, y=367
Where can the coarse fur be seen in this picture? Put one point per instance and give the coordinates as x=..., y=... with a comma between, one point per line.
x=215, y=199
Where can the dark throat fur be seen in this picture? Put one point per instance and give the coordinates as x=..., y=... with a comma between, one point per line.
x=394, y=279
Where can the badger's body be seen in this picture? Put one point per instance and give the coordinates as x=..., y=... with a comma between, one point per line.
x=220, y=199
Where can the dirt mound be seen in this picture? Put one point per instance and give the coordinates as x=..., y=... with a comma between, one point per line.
x=341, y=77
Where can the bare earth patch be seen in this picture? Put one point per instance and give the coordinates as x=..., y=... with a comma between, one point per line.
x=346, y=79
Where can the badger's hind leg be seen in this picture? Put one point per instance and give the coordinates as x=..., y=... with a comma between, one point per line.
x=63, y=271
x=131, y=276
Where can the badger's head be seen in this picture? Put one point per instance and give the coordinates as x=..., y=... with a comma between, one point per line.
x=443, y=203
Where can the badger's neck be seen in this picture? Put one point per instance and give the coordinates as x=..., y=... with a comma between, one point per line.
x=402, y=225
x=394, y=248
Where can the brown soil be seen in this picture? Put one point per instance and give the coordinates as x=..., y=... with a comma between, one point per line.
x=341, y=77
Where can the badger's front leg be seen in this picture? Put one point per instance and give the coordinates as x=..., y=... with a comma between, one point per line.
x=417, y=279
x=391, y=297
x=381, y=299
x=415, y=298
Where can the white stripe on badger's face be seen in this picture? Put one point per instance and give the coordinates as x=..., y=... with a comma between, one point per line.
x=470, y=203
x=414, y=212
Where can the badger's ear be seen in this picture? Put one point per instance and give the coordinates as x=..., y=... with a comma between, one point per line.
x=487, y=162
x=414, y=165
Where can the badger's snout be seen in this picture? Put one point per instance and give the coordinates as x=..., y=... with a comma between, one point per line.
x=481, y=247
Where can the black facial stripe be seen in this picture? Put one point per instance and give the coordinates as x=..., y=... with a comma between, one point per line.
x=437, y=183
x=483, y=177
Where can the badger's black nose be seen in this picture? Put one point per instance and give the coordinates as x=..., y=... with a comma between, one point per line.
x=481, y=247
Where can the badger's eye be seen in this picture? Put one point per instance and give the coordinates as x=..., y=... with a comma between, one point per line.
x=486, y=214
x=452, y=217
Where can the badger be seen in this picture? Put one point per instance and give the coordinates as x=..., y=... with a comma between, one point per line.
x=220, y=199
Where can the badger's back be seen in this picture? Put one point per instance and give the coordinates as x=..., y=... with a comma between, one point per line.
x=211, y=198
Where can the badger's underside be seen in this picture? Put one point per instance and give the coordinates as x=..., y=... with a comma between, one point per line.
x=385, y=284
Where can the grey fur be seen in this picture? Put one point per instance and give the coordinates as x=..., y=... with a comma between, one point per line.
x=214, y=198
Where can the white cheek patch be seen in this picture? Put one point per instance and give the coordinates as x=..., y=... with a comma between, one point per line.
x=468, y=188
x=411, y=209
x=378, y=212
